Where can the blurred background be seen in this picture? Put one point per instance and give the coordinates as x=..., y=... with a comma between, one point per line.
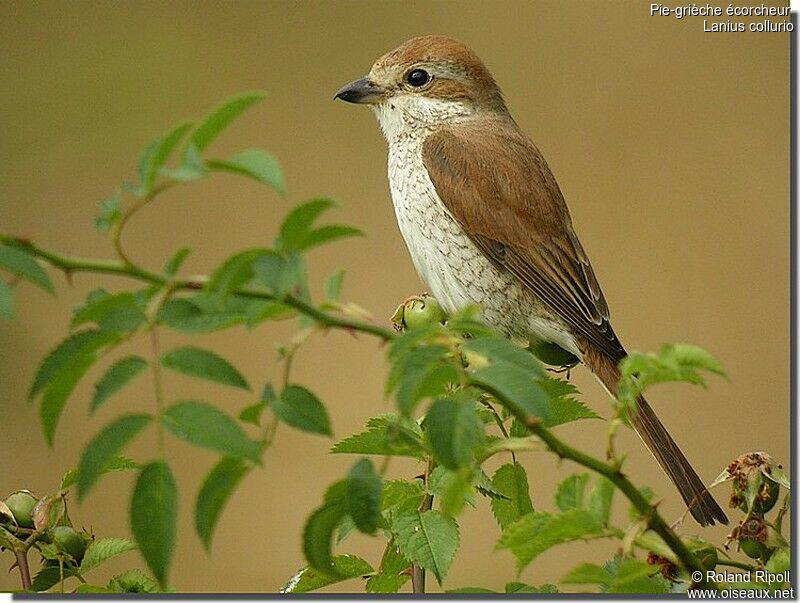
x=671, y=146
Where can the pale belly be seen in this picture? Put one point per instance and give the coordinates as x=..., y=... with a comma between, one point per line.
x=453, y=268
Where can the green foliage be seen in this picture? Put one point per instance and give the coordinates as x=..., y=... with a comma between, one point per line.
x=461, y=393
x=6, y=301
x=105, y=447
x=217, y=488
x=253, y=163
x=363, y=498
x=17, y=261
x=427, y=538
x=622, y=575
x=453, y=432
x=204, y=425
x=153, y=515
x=344, y=568
x=678, y=362
x=122, y=372
x=300, y=408
x=511, y=482
x=388, y=435
x=100, y=551
x=203, y=364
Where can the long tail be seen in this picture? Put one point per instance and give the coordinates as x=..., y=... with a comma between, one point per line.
x=700, y=502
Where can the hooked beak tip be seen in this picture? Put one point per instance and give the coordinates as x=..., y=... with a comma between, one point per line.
x=361, y=91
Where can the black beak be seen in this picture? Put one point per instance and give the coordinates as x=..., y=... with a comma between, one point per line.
x=361, y=91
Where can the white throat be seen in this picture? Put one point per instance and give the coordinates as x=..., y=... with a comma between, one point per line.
x=413, y=114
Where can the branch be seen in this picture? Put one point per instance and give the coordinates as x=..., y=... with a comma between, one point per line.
x=72, y=264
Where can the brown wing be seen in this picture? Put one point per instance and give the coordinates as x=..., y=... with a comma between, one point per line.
x=496, y=184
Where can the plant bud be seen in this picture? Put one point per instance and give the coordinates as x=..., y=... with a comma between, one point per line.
x=21, y=504
x=705, y=552
x=69, y=541
x=418, y=311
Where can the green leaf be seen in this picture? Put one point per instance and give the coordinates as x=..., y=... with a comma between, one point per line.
x=24, y=265
x=66, y=354
x=345, y=567
x=253, y=163
x=234, y=272
x=157, y=153
x=499, y=350
x=422, y=373
x=453, y=432
x=84, y=588
x=300, y=408
x=204, y=425
x=521, y=587
x=318, y=536
x=453, y=489
x=392, y=574
x=386, y=435
x=109, y=212
x=586, y=573
x=219, y=119
x=363, y=500
x=57, y=392
x=133, y=581
x=400, y=496
x=6, y=301
x=197, y=362
x=105, y=446
x=333, y=286
x=214, y=494
x=621, y=575
x=120, y=373
x=535, y=533
x=100, y=551
x=570, y=492
x=515, y=389
x=428, y=539
x=297, y=225
x=331, y=232
x=678, y=362
x=565, y=408
x=600, y=497
x=187, y=317
x=111, y=313
x=49, y=576
x=512, y=481
x=154, y=517
x=176, y=261
x=117, y=463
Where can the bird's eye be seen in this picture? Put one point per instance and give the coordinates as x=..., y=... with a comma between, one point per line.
x=418, y=77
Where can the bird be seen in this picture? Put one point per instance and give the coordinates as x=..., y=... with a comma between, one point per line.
x=486, y=224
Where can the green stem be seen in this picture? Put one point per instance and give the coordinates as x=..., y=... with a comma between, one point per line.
x=158, y=387
x=736, y=564
x=654, y=520
x=22, y=565
x=72, y=264
x=417, y=571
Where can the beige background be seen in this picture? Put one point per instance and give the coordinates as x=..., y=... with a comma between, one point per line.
x=670, y=144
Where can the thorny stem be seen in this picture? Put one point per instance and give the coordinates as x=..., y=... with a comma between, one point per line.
x=417, y=571
x=22, y=564
x=71, y=264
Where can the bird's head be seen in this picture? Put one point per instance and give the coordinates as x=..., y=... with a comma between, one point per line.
x=427, y=81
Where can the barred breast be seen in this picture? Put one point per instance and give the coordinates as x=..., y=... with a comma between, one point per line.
x=453, y=268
